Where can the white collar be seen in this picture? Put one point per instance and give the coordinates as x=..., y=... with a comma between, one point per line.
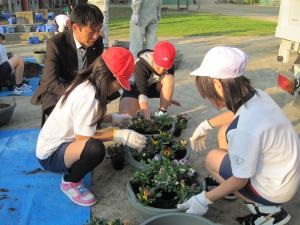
x=77, y=43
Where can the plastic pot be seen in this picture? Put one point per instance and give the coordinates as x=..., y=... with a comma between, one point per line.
x=145, y=211
x=33, y=40
x=118, y=162
x=177, y=218
x=177, y=132
x=6, y=112
x=148, y=211
x=27, y=28
x=139, y=165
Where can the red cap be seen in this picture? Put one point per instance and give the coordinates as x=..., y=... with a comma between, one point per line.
x=121, y=63
x=164, y=54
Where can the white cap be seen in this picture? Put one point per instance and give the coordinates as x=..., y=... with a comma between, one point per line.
x=222, y=62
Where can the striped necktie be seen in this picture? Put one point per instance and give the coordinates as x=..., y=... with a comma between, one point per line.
x=83, y=52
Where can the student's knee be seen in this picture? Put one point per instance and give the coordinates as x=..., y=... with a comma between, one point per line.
x=93, y=150
x=213, y=160
x=16, y=61
x=20, y=60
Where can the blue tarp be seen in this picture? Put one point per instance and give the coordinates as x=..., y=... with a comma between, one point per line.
x=33, y=82
x=28, y=194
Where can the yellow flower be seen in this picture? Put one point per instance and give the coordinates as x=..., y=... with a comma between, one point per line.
x=182, y=183
x=167, y=151
x=154, y=142
x=146, y=194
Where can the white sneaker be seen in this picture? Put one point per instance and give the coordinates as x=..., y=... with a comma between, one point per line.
x=22, y=89
x=267, y=215
x=78, y=193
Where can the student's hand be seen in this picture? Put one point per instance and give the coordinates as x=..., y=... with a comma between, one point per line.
x=197, y=204
x=198, y=139
x=130, y=138
x=118, y=119
x=135, y=19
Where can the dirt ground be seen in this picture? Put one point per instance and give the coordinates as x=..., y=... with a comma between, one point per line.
x=110, y=185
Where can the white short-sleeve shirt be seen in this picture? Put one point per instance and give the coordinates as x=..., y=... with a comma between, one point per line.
x=74, y=117
x=3, y=54
x=264, y=147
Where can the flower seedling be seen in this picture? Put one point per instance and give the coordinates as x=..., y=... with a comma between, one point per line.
x=117, y=154
x=164, y=183
x=180, y=124
x=150, y=126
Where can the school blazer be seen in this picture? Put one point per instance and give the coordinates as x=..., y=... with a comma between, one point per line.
x=60, y=64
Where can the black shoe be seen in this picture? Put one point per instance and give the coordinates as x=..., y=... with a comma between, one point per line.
x=211, y=183
x=278, y=218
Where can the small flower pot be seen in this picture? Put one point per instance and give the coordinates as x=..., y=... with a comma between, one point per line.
x=6, y=112
x=177, y=218
x=27, y=28
x=177, y=132
x=33, y=40
x=118, y=162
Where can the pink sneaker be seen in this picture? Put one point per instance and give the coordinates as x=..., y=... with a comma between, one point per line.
x=78, y=193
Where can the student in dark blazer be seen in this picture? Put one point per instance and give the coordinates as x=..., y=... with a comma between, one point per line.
x=67, y=53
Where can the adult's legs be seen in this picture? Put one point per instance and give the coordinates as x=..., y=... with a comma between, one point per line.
x=150, y=34
x=103, y=5
x=137, y=35
x=105, y=12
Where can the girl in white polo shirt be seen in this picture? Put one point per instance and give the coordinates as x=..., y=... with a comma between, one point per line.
x=69, y=142
x=259, y=152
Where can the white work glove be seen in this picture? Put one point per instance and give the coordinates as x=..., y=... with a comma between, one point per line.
x=135, y=19
x=130, y=138
x=118, y=119
x=160, y=113
x=198, y=138
x=198, y=204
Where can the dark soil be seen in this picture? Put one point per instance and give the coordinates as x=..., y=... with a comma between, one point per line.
x=2, y=197
x=37, y=170
x=3, y=106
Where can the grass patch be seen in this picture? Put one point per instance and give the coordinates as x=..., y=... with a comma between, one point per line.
x=176, y=24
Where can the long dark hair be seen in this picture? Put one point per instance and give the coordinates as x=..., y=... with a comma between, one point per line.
x=100, y=77
x=236, y=91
